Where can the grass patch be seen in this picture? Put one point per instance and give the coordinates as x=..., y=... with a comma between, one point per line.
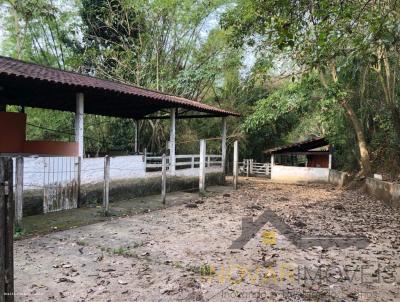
x=204, y=269
x=82, y=243
x=18, y=232
x=122, y=251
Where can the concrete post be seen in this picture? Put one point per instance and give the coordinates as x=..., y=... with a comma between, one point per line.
x=164, y=179
x=172, y=159
x=235, y=164
x=19, y=189
x=223, y=146
x=145, y=159
x=202, y=167
x=136, y=145
x=79, y=114
x=79, y=123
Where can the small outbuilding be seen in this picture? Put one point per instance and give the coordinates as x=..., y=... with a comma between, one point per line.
x=305, y=161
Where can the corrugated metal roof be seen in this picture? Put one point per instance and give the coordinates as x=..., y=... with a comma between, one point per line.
x=305, y=145
x=20, y=70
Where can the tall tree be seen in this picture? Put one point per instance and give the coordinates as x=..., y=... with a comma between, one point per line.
x=326, y=36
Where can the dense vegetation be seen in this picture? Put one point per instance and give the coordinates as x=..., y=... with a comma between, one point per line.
x=294, y=69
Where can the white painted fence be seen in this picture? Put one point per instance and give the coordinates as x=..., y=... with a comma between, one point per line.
x=191, y=161
x=37, y=174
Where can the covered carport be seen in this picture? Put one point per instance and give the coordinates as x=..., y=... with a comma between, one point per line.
x=31, y=85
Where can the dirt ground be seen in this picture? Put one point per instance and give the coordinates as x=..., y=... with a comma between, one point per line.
x=182, y=253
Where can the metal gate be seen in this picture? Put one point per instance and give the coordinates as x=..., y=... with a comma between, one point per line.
x=61, y=183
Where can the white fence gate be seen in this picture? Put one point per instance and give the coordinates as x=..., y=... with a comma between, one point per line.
x=61, y=183
x=251, y=168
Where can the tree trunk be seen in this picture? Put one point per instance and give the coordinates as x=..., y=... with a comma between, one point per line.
x=362, y=144
x=395, y=116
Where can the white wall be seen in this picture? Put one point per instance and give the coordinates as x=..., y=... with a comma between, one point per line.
x=121, y=167
x=289, y=174
x=44, y=170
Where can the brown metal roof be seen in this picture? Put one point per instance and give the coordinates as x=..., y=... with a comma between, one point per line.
x=33, y=85
x=302, y=146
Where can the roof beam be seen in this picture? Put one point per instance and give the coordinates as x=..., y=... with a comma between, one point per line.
x=164, y=117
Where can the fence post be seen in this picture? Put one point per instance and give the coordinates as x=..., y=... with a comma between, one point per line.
x=164, y=179
x=7, y=214
x=223, y=146
x=251, y=166
x=192, y=165
x=172, y=135
x=19, y=188
x=235, y=164
x=79, y=177
x=106, y=191
x=3, y=229
x=247, y=167
x=145, y=159
x=202, y=170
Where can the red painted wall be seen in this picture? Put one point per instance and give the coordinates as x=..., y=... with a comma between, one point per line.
x=51, y=148
x=318, y=160
x=13, y=139
x=12, y=132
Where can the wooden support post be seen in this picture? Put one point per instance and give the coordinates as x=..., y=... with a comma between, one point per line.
x=19, y=189
x=272, y=160
x=3, y=228
x=164, y=178
x=202, y=167
x=136, y=144
x=235, y=164
x=251, y=167
x=7, y=214
x=172, y=159
x=223, y=146
x=247, y=167
x=330, y=158
x=106, y=191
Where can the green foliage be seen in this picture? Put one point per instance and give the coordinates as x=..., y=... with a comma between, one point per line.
x=353, y=46
x=314, y=61
x=18, y=232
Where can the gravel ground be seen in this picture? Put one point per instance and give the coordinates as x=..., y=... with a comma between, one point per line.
x=183, y=253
